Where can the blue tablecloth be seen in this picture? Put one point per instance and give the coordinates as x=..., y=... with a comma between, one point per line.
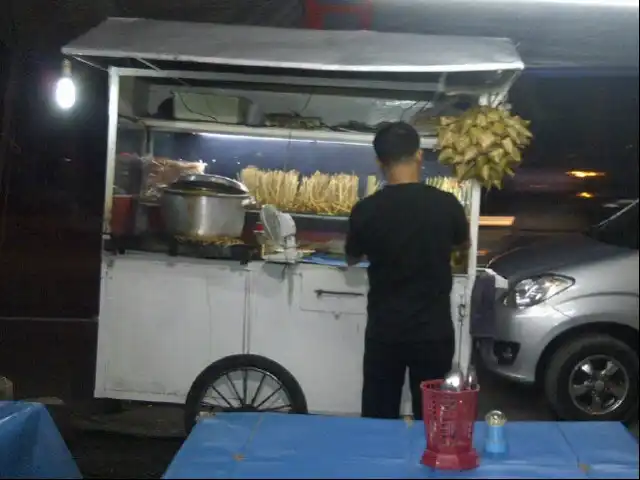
x=253, y=445
x=31, y=445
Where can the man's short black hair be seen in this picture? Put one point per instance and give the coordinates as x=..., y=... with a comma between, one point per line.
x=396, y=142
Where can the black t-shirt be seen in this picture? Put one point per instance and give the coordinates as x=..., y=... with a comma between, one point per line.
x=407, y=233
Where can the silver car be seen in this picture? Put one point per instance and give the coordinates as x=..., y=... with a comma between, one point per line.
x=568, y=320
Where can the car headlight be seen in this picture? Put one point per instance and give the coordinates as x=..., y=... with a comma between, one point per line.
x=533, y=291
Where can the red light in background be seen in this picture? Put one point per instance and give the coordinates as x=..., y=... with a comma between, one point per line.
x=317, y=10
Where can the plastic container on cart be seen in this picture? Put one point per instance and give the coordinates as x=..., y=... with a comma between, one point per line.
x=449, y=419
x=155, y=220
x=122, y=215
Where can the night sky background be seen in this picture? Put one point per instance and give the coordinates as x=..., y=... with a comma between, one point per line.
x=52, y=163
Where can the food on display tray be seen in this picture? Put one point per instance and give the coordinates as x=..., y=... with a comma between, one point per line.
x=321, y=193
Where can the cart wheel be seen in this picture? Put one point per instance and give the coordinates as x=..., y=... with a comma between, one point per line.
x=243, y=383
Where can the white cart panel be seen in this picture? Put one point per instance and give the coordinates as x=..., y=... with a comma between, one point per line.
x=331, y=290
x=163, y=321
x=322, y=350
x=321, y=346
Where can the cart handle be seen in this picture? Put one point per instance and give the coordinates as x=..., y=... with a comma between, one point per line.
x=320, y=293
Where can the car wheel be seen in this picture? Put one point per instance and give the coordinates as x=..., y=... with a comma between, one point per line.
x=243, y=383
x=593, y=378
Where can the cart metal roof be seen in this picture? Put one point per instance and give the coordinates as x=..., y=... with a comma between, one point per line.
x=267, y=47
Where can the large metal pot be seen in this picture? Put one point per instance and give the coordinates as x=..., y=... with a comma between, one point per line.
x=204, y=206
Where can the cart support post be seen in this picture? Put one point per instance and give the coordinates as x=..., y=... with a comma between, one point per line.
x=472, y=265
x=474, y=227
x=112, y=136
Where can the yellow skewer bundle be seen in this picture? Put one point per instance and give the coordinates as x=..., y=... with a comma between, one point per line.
x=319, y=193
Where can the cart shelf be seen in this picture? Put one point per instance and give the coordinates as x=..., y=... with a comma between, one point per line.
x=344, y=137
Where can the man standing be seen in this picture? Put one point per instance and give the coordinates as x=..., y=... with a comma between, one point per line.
x=407, y=231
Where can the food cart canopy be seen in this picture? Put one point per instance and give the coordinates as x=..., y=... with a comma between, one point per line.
x=319, y=50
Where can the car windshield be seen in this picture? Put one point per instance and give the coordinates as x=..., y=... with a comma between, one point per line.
x=621, y=229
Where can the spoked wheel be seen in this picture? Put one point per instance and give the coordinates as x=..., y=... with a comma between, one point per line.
x=243, y=383
x=246, y=389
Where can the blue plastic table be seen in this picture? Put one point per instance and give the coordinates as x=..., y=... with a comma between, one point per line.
x=31, y=445
x=271, y=445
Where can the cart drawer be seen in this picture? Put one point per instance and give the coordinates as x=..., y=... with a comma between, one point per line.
x=326, y=289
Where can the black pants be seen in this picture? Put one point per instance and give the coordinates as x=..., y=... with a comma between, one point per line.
x=384, y=370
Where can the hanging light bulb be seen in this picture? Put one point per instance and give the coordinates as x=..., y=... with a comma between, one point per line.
x=65, y=88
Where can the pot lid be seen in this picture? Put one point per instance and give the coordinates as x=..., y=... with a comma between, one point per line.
x=210, y=184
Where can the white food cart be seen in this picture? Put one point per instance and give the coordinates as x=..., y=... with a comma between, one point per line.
x=217, y=332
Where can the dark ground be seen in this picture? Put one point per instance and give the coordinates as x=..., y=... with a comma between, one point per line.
x=108, y=455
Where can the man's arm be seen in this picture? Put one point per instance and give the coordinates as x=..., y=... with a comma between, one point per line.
x=353, y=247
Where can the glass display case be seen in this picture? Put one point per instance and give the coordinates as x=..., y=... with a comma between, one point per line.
x=307, y=151
x=236, y=156
x=297, y=175
x=229, y=156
